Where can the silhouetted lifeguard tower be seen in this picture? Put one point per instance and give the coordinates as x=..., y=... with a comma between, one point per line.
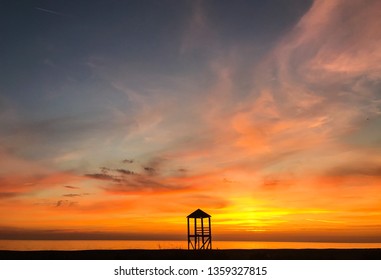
x=200, y=233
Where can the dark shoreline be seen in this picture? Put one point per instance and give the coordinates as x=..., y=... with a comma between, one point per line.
x=178, y=254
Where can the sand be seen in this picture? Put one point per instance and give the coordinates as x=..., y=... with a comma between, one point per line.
x=178, y=254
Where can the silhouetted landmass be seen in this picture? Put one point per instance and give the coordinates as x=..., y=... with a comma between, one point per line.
x=179, y=254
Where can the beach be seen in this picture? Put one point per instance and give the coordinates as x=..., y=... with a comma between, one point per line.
x=180, y=254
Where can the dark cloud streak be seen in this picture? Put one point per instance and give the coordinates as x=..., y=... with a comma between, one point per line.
x=71, y=187
x=366, y=169
x=72, y=195
x=5, y=195
x=124, y=180
x=125, y=171
x=65, y=203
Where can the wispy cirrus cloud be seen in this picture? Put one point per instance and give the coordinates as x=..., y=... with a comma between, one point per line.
x=298, y=101
x=198, y=33
x=317, y=65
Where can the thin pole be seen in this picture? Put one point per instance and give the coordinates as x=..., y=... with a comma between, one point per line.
x=210, y=234
x=202, y=232
x=188, y=232
x=195, y=233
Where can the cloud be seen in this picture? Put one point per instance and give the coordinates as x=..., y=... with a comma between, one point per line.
x=331, y=61
x=197, y=34
x=277, y=182
x=72, y=187
x=65, y=203
x=105, y=170
x=301, y=99
x=26, y=178
x=72, y=195
x=62, y=140
x=5, y=195
x=125, y=181
x=210, y=201
x=56, y=233
x=351, y=48
x=285, y=122
x=358, y=169
x=150, y=170
x=105, y=177
x=114, y=175
x=125, y=171
x=51, y=12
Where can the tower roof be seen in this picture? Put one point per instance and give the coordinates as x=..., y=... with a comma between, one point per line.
x=198, y=214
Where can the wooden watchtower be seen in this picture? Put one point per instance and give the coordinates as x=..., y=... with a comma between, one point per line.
x=200, y=232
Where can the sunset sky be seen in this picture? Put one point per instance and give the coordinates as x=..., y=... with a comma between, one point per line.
x=118, y=118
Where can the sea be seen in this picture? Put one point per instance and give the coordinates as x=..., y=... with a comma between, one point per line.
x=34, y=245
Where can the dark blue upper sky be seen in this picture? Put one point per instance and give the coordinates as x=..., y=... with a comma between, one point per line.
x=47, y=47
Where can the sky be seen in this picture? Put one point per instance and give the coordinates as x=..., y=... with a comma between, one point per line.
x=118, y=118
